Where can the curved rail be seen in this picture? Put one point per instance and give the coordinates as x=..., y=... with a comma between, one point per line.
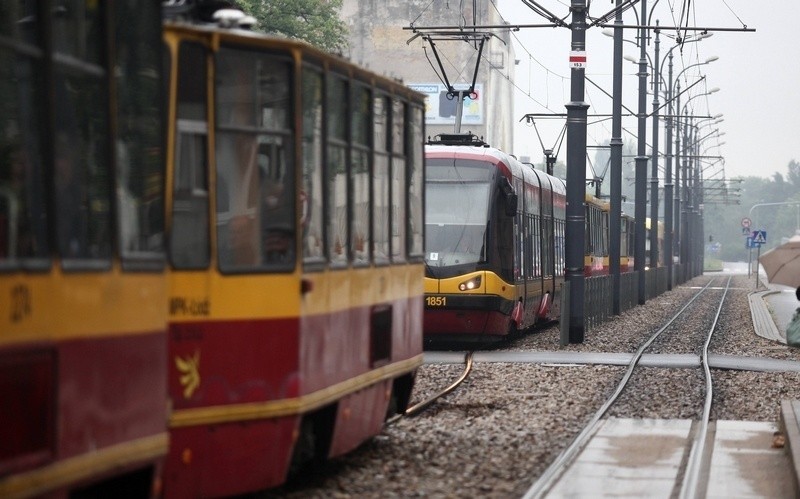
x=421, y=406
x=556, y=468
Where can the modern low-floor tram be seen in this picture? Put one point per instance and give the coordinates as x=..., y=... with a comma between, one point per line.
x=494, y=233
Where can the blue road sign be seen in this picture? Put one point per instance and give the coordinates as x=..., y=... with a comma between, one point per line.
x=759, y=237
x=749, y=244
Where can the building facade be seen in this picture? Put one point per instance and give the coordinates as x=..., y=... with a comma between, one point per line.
x=379, y=41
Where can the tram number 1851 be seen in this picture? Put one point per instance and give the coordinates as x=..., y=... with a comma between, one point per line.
x=436, y=301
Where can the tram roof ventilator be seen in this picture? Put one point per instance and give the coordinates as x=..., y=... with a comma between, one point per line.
x=457, y=139
x=215, y=12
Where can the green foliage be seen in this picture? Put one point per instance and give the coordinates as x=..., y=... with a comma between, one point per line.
x=724, y=222
x=314, y=21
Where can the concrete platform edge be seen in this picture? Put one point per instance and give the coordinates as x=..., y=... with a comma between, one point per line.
x=790, y=427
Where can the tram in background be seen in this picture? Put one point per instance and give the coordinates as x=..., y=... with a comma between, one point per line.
x=659, y=240
x=597, y=259
x=295, y=213
x=82, y=283
x=494, y=242
x=596, y=254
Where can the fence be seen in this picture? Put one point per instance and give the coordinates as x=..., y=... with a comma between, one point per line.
x=598, y=305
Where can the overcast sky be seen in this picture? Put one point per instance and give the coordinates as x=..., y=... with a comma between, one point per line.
x=757, y=74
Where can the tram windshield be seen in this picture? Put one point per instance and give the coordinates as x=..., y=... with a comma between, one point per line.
x=456, y=214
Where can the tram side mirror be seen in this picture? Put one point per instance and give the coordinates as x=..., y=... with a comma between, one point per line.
x=511, y=204
x=510, y=198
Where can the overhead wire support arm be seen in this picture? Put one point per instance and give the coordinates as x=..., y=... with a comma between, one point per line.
x=664, y=28
x=479, y=38
x=450, y=29
x=605, y=18
x=545, y=13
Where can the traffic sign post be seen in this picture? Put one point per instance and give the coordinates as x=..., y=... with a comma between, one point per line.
x=756, y=240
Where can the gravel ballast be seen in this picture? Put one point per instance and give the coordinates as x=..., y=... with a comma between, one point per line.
x=497, y=432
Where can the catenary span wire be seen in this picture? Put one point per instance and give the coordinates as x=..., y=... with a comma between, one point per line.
x=421, y=12
x=552, y=473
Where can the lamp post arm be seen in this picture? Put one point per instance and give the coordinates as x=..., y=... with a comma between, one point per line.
x=750, y=213
x=676, y=96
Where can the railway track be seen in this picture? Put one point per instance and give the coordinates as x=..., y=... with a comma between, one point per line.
x=684, y=469
x=520, y=407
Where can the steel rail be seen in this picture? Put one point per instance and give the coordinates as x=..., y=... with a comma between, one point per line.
x=421, y=406
x=692, y=476
x=568, y=455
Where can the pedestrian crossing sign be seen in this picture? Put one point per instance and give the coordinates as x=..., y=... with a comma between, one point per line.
x=759, y=237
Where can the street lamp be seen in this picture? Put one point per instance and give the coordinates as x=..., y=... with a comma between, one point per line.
x=693, y=192
x=657, y=67
x=677, y=191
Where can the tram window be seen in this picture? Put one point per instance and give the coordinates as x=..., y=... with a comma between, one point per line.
x=399, y=181
x=337, y=183
x=380, y=181
x=18, y=22
x=189, y=240
x=416, y=188
x=361, y=121
x=313, y=244
x=23, y=227
x=256, y=226
x=139, y=137
x=189, y=235
x=77, y=28
x=82, y=166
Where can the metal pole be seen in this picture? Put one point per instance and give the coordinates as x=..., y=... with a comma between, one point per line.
x=640, y=212
x=576, y=176
x=668, y=185
x=685, y=202
x=677, y=205
x=654, y=162
x=616, y=166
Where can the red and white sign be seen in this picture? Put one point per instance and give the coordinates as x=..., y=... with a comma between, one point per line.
x=577, y=59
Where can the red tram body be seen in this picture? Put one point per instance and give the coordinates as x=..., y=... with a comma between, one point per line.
x=295, y=210
x=82, y=285
x=494, y=233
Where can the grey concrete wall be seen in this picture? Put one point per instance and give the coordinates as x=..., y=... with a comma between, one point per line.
x=379, y=42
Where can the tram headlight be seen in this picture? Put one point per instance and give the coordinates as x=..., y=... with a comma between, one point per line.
x=473, y=283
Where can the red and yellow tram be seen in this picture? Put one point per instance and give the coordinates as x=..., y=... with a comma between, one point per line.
x=595, y=256
x=597, y=259
x=295, y=205
x=494, y=242
x=82, y=283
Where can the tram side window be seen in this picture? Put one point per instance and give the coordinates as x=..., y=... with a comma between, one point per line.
x=82, y=162
x=189, y=241
x=380, y=181
x=139, y=135
x=361, y=126
x=23, y=224
x=416, y=188
x=337, y=183
x=399, y=181
x=311, y=219
x=256, y=223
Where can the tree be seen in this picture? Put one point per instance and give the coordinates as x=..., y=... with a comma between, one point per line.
x=314, y=21
x=794, y=175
